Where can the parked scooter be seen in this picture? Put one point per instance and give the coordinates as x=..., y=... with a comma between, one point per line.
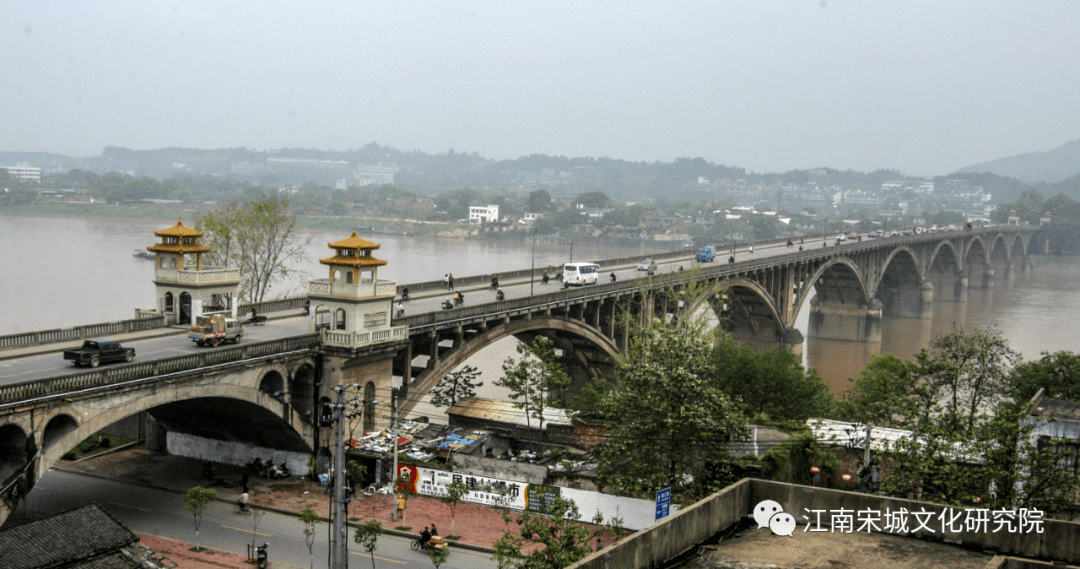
x=278, y=471
x=447, y=305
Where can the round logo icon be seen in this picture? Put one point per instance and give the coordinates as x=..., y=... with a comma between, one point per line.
x=765, y=510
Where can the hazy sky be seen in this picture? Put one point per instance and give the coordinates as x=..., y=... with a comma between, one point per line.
x=770, y=85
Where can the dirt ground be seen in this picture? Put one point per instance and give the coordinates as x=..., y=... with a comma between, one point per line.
x=762, y=548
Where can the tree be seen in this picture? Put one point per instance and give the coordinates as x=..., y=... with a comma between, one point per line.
x=438, y=555
x=885, y=394
x=772, y=383
x=196, y=501
x=563, y=541
x=309, y=518
x=594, y=198
x=456, y=385
x=1058, y=373
x=454, y=492
x=367, y=535
x=535, y=380
x=256, y=516
x=258, y=237
x=668, y=422
x=538, y=201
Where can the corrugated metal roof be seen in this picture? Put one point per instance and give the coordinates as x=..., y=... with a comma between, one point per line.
x=882, y=439
x=496, y=411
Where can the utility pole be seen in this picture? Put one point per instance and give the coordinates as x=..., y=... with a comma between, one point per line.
x=532, y=271
x=393, y=433
x=339, y=552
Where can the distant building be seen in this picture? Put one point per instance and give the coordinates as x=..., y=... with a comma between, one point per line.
x=480, y=214
x=530, y=218
x=23, y=172
x=382, y=173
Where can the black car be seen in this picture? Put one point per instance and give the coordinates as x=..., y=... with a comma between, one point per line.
x=96, y=352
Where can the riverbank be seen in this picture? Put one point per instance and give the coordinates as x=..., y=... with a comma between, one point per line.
x=169, y=213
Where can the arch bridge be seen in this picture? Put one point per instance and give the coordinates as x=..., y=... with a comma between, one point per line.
x=270, y=394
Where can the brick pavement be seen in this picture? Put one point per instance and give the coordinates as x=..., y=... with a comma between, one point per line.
x=478, y=526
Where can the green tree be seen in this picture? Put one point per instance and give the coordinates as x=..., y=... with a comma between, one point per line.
x=195, y=501
x=456, y=203
x=438, y=555
x=309, y=518
x=455, y=386
x=668, y=421
x=1058, y=373
x=367, y=535
x=539, y=201
x=454, y=493
x=536, y=380
x=258, y=237
x=554, y=541
x=887, y=393
x=772, y=383
x=594, y=198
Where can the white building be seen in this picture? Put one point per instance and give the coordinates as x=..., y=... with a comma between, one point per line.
x=383, y=173
x=530, y=218
x=480, y=214
x=23, y=172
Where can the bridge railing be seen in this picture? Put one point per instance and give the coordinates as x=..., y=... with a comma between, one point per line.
x=660, y=280
x=80, y=332
x=103, y=377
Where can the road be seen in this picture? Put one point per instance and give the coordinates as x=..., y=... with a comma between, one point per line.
x=51, y=364
x=161, y=513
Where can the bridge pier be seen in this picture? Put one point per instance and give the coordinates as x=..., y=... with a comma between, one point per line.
x=846, y=322
x=950, y=287
x=909, y=301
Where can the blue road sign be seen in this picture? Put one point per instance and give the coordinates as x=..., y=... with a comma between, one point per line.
x=663, y=503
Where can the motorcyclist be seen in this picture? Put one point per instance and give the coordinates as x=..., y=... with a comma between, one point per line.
x=612, y=277
x=544, y=279
x=499, y=294
x=459, y=298
x=242, y=503
x=425, y=537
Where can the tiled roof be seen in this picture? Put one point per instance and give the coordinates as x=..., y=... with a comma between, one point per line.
x=353, y=261
x=115, y=560
x=178, y=248
x=64, y=540
x=354, y=242
x=179, y=230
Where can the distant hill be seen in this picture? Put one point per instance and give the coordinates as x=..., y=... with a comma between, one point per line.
x=1049, y=166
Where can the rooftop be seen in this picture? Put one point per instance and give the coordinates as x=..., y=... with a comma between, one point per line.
x=85, y=538
x=760, y=547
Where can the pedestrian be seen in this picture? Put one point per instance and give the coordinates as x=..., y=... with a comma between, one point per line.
x=405, y=293
x=451, y=281
x=243, y=502
x=400, y=310
x=434, y=530
x=401, y=506
x=446, y=281
x=244, y=482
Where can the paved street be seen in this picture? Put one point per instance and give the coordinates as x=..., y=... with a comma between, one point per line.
x=161, y=513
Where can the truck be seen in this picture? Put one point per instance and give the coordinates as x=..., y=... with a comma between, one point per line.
x=214, y=329
x=704, y=255
x=96, y=352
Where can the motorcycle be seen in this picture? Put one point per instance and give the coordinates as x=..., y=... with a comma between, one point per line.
x=459, y=299
x=278, y=472
x=500, y=295
x=447, y=305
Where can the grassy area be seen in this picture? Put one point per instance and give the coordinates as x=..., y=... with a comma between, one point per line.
x=96, y=445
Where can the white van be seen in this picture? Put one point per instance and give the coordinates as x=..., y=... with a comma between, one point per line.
x=580, y=274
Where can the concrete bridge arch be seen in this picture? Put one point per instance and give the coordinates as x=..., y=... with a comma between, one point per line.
x=587, y=351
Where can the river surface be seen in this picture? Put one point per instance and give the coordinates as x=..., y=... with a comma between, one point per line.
x=58, y=272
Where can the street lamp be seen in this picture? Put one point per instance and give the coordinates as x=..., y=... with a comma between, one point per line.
x=571, y=250
x=532, y=271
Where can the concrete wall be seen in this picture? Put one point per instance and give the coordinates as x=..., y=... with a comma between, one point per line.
x=493, y=468
x=674, y=535
x=235, y=453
